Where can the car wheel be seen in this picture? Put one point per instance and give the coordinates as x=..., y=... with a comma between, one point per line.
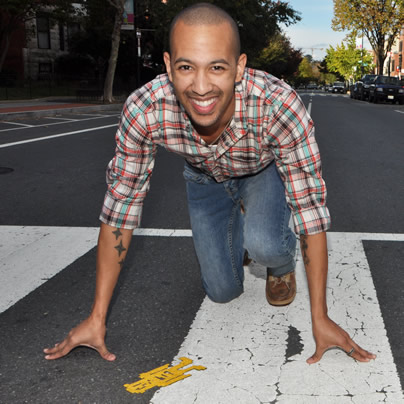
x=375, y=99
x=362, y=97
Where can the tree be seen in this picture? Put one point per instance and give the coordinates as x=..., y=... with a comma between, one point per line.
x=305, y=72
x=279, y=57
x=119, y=6
x=348, y=61
x=380, y=21
x=257, y=20
x=104, y=17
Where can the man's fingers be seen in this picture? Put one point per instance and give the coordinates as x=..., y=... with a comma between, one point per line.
x=63, y=348
x=355, y=352
x=315, y=357
x=105, y=354
x=57, y=351
x=361, y=355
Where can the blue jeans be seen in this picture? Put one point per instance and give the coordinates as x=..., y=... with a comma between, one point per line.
x=221, y=231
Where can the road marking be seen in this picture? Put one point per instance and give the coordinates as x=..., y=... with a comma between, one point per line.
x=400, y=112
x=29, y=256
x=245, y=344
x=162, y=376
x=309, y=107
x=40, y=139
x=63, y=119
x=19, y=124
x=60, y=123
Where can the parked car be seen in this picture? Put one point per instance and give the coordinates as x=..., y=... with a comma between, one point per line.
x=312, y=86
x=362, y=86
x=385, y=88
x=338, y=87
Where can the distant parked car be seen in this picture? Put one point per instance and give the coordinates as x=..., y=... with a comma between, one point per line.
x=338, y=87
x=311, y=86
x=362, y=86
x=385, y=88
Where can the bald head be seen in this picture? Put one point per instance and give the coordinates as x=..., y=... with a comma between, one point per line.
x=206, y=14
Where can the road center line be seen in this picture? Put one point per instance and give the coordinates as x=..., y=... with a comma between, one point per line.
x=309, y=107
x=40, y=139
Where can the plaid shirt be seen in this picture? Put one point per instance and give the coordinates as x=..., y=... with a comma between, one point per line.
x=270, y=122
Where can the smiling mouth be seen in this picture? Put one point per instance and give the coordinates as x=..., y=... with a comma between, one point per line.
x=204, y=106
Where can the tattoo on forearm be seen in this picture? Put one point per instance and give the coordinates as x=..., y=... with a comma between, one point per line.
x=117, y=233
x=120, y=247
x=303, y=248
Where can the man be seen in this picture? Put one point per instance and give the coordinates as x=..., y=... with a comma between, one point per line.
x=250, y=156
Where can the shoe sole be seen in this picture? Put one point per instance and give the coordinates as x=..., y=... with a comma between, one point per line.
x=282, y=302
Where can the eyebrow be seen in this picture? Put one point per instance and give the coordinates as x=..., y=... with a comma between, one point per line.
x=213, y=62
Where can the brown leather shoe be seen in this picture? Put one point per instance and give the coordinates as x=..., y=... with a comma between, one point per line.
x=281, y=291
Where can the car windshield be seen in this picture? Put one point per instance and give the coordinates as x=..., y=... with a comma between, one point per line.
x=387, y=80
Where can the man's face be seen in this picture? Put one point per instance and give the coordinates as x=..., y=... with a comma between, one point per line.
x=203, y=68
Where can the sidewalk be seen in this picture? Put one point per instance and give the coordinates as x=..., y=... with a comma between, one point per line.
x=50, y=107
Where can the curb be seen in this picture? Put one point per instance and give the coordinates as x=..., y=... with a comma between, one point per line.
x=56, y=110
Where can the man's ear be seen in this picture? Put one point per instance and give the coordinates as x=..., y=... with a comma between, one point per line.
x=167, y=62
x=241, y=63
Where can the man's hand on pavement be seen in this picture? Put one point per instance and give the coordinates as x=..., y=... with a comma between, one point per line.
x=328, y=335
x=89, y=333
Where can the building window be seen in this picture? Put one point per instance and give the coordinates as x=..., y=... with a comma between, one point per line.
x=42, y=28
x=400, y=46
x=44, y=71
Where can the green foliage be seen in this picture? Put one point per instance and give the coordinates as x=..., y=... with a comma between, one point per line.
x=258, y=21
x=347, y=61
x=279, y=57
x=380, y=21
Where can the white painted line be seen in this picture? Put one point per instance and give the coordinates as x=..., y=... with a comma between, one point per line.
x=163, y=232
x=15, y=123
x=61, y=123
x=63, y=119
x=400, y=112
x=40, y=139
x=309, y=107
x=29, y=256
x=243, y=343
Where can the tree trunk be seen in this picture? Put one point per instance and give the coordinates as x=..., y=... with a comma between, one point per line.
x=380, y=61
x=116, y=37
x=4, y=50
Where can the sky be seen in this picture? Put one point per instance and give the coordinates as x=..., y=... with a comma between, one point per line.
x=314, y=30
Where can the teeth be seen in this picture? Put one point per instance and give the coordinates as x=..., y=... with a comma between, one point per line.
x=204, y=103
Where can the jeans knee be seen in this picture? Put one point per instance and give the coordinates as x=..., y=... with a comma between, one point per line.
x=272, y=252
x=223, y=292
x=223, y=296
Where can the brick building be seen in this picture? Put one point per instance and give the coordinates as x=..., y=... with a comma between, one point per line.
x=394, y=63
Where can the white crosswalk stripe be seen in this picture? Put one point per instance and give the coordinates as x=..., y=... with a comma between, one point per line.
x=243, y=344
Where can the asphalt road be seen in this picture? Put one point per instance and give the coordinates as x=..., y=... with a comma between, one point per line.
x=59, y=181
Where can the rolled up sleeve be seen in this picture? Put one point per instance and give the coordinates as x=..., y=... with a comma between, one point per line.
x=298, y=160
x=129, y=172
